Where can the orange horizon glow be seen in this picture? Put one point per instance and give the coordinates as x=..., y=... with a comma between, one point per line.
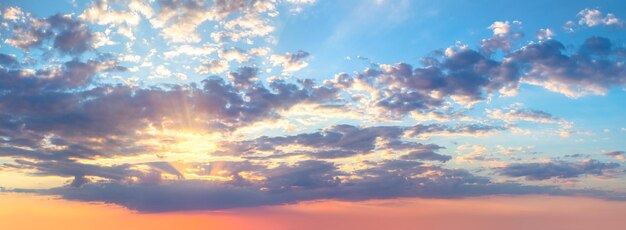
x=26, y=211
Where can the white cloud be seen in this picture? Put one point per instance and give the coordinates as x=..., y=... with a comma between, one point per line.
x=189, y=51
x=101, y=14
x=212, y=66
x=592, y=18
x=235, y=54
x=545, y=34
x=12, y=13
x=291, y=62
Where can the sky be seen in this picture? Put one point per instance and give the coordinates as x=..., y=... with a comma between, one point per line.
x=181, y=110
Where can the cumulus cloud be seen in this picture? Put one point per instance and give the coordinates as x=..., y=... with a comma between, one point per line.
x=179, y=19
x=592, y=18
x=12, y=13
x=463, y=77
x=466, y=76
x=589, y=71
x=49, y=106
x=68, y=35
x=101, y=13
x=234, y=54
x=504, y=35
x=212, y=66
x=291, y=62
x=545, y=34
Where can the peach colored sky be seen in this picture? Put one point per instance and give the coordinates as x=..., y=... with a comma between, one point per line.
x=23, y=211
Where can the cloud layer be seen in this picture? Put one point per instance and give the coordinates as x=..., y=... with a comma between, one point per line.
x=207, y=140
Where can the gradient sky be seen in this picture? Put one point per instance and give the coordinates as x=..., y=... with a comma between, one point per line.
x=171, y=107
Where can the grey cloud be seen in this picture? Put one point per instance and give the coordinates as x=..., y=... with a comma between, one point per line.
x=31, y=34
x=123, y=173
x=179, y=19
x=66, y=106
x=535, y=115
x=72, y=37
x=558, y=169
x=226, y=7
x=504, y=36
x=8, y=61
x=591, y=70
x=57, y=104
x=244, y=78
x=530, y=115
x=596, y=46
x=331, y=154
x=467, y=75
x=618, y=155
x=340, y=141
x=615, y=153
x=68, y=34
x=305, y=181
x=427, y=155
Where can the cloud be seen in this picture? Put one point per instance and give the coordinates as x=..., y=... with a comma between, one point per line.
x=545, y=34
x=58, y=116
x=301, y=1
x=592, y=18
x=212, y=66
x=249, y=25
x=619, y=155
x=291, y=62
x=186, y=145
x=8, y=61
x=179, y=19
x=400, y=88
x=234, y=54
x=307, y=180
x=340, y=141
x=101, y=13
x=589, y=71
x=12, y=13
x=189, y=50
x=514, y=115
x=504, y=35
x=70, y=75
x=426, y=155
x=68, y=35
x=466, y=76
x=558, y=169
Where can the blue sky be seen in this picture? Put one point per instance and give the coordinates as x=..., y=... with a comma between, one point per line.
x=295, y=100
